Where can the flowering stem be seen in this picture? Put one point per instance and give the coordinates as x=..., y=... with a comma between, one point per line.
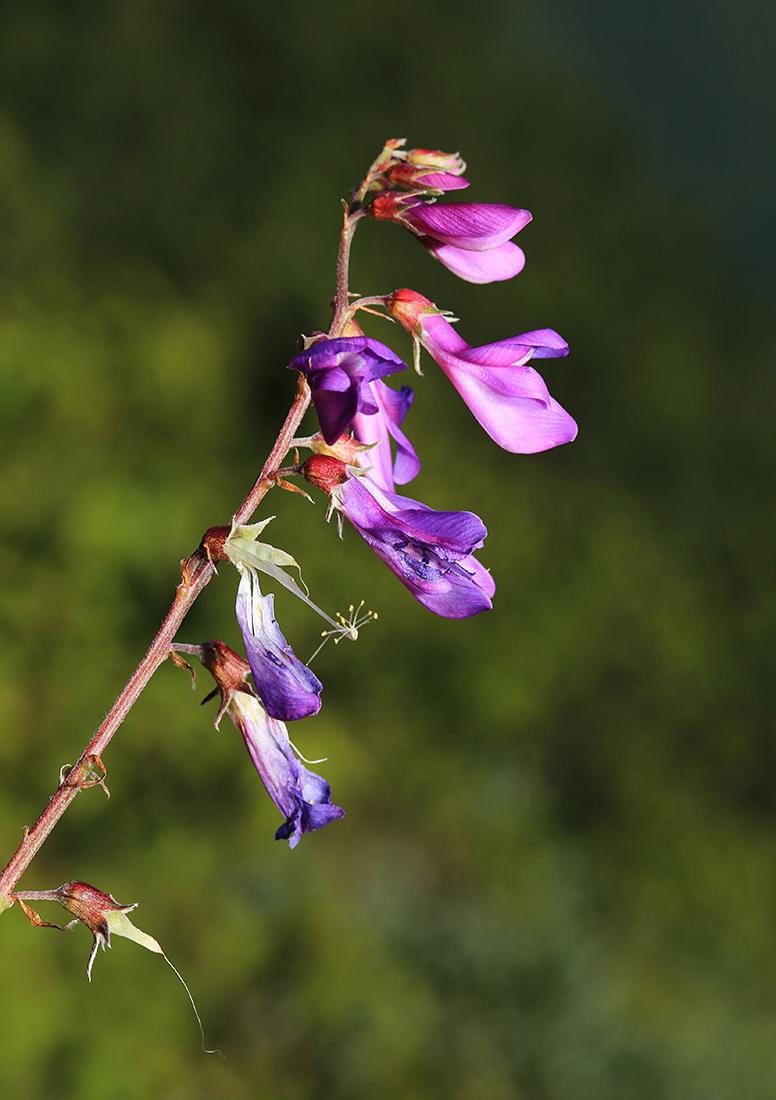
x=196, y=572
x=342, y=311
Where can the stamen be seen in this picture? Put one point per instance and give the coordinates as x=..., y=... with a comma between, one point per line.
x=346, y=627
x=322, y=760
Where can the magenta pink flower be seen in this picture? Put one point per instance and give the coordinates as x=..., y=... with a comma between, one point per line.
x=417, y=178
x=379, y=428
x=509, y=398
x=473, y=240
x=494, y=265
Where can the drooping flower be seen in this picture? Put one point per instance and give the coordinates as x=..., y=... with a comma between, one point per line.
x=430, y=552
x=303, y=798
x=339, y=372
x=288, y=689
x=506, y=395
x=473, y=240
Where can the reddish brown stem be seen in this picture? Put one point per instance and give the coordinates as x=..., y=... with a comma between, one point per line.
x=196, y=572
x=341, y=311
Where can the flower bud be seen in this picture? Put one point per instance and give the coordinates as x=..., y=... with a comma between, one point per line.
x=213, y=543
x=325, y=472
x=410, y=177
x=433, y=158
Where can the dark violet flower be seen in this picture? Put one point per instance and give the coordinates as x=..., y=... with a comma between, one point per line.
x=288, y=689
x=379, y=429
x=430, y=552
x=509, y=398
x=339, y=372
x=302, y=797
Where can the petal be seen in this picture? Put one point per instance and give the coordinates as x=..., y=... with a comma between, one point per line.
x=335, y=412
x=470, y=225
x=449, y=591
x=340, y=372
x=430, y=552
x=442, y=181
x=392, y=406
x=303, y=798
x=491, y=266
x=508, y=398
x=520, y=424
x=288, y=689
x=354, y=354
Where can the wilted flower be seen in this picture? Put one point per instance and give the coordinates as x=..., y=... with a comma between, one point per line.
x=508, y=397
x=287, y=688
x=303, y=798
x=239, y=544
x=430, y=552
x=339, y=372
x=101, y=914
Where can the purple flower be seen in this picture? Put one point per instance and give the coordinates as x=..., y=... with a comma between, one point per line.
x=380, y=428
x=302, y=797
x=339, y=372
x=508, y=397
x=473, y=240
x=430, y=552
x=288, y=689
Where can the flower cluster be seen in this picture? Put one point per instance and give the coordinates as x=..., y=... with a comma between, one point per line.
x=361, y=453
x=432, y=553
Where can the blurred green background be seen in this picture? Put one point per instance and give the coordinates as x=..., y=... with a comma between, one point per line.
x=557, y=874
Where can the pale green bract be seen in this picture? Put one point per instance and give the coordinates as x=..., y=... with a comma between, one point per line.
x=245, y=552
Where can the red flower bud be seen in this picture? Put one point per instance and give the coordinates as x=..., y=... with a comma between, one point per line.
x=325, y=472
x=213, y=543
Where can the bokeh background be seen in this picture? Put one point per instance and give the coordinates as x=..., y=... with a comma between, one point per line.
x=557, y=874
